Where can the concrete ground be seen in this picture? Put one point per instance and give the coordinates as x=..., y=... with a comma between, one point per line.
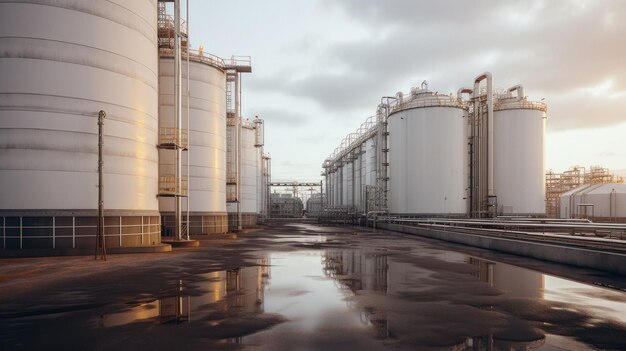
x=302, y=287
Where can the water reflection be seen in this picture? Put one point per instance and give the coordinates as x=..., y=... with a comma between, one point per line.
x=224, y=293
x=439, y=301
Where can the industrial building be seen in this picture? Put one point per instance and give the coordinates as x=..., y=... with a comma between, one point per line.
x=478, y=153
x=123, y=73
x=286, y=206
x=603, y=202
x=559, y=183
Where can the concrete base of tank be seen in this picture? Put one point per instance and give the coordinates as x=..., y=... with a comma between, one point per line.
x=182, y=243
x=76, y=229
x=248, y=220
x=201, y=223
x=158, y=248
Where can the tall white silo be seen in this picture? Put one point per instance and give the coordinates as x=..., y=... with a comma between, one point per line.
x=207, y=140
x=370, y=162
x=357, y=166
x=427, y=155
x=248, y=184
x=61, y=62
x=519, y=172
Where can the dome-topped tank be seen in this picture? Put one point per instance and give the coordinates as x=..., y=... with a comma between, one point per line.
x=207, y=141
x=518, y=151
x=427, y=154
x=61, y=62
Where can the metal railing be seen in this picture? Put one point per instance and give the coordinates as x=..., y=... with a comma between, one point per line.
x=243, y=61
x=433, y=101
x=169, y=185
x=170, y=136
x=55, y=231
x=196, y=56
x=519, y=104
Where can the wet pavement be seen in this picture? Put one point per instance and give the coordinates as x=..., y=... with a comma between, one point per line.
x=303, y=287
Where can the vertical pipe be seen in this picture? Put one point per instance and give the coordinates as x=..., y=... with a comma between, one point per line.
x=179, y=119
x=120, y=228
x=100, y=241
x=188, y=221
x=238, y=145
x=486, y=166
x=54, y=228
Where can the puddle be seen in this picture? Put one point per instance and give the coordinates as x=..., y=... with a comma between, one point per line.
x=370, y=298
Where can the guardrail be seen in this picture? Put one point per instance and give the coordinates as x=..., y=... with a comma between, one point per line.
x=573, y=228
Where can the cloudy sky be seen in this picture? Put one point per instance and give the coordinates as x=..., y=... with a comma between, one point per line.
x=321, y=66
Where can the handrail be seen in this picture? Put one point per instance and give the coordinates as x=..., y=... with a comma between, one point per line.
x=196, y=56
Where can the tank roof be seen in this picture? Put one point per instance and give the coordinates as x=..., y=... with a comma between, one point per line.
x=596, y=189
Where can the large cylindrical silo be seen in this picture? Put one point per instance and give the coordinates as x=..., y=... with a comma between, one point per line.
x=370, y=163
x=357, y=178
x=207, y=142
x=427, y=154
x=347, y=182
x=518, y=151
x=61, y=62
x=248, y=184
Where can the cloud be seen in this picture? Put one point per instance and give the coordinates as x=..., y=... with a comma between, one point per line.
x=557, y=49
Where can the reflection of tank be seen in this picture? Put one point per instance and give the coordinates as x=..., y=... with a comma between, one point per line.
x=314, y=205
x=239, y=289
x=286, y=206
x=356, y=270
x=514, y=281
x=363, y=272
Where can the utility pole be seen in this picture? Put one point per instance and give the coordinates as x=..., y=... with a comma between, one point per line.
x=100, y=242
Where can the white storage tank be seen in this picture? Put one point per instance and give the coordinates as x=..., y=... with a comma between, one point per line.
x=248, y=185
x=207, y=141
x=347, y=182
x=370, y=162
x=427, y=155
x=61, y=62
x=598, y=202
x=357, y=178
x=518, y=151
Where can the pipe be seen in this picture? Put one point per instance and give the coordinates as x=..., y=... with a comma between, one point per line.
x=487, y=76
x=188, y=222
x=100, y=241
x=519, y=89
x=611, y=194
x=179, y=119
x=464, y=90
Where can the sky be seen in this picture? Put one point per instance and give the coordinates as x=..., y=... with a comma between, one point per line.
x=321, y=66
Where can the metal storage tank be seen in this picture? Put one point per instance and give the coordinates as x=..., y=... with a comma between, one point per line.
x=261, y=184
x=314, y=205
x=427, y=154
x=336, y=186
x=207, y=140
x=286, y=206
x=370, y=163
x=518, y=151
x=347, y=182
x=599, y=202
x=61, y=62
x=248, y=193
x=357, y=177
